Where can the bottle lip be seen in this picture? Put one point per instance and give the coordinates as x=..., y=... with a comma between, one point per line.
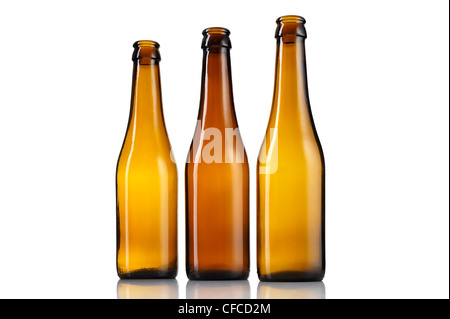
x=291, y=18
x=216, y=30
x=146, y=43
x=146, y=51
x=289, y=27
x=216, y=37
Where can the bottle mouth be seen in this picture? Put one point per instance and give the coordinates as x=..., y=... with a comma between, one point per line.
x=216, y=37
x=216, y=30
x=291, y=18
x=146, y=52
x=146, y=43
x=289, y=27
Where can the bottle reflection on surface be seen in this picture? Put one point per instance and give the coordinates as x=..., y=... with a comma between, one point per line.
x=232, y=289
x=291, y=290
x=147, y=289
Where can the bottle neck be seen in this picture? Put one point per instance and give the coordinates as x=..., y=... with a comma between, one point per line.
x=146, y=105
x=291, y=88
x=216, y=102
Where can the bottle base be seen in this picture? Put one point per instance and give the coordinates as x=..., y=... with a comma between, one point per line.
x=217, y=275
x=148, y=274
x=293, y=276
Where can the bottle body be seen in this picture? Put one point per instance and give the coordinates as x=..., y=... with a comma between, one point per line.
x=217, y=176
x=146, y=180
x=291, y=172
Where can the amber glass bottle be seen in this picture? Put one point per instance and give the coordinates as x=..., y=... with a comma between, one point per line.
x=146, y=179
x=290, y=171
x=217, y=174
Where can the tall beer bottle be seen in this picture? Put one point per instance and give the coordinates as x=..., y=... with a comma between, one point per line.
x=217, y=174
x=146, y=179
x=290, y=171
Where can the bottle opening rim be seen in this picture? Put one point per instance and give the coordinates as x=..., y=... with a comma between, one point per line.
x=291, y=19
x=146, y=43
x=216, y=30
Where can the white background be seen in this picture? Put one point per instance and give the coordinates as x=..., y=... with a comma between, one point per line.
x=378, y=80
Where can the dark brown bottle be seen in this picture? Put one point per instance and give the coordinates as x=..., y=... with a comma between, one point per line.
x=217, y=174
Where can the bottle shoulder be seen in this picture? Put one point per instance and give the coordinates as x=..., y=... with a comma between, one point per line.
x=217, y=145
x=146, y=150
x=289, y=145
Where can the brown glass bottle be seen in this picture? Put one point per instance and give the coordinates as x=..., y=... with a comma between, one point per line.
x=291, y=171
x=146, y=179
x=217, y=174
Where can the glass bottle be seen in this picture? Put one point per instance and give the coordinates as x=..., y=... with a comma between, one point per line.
x=217, y=174
x=146, y=179
x=291, y=171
